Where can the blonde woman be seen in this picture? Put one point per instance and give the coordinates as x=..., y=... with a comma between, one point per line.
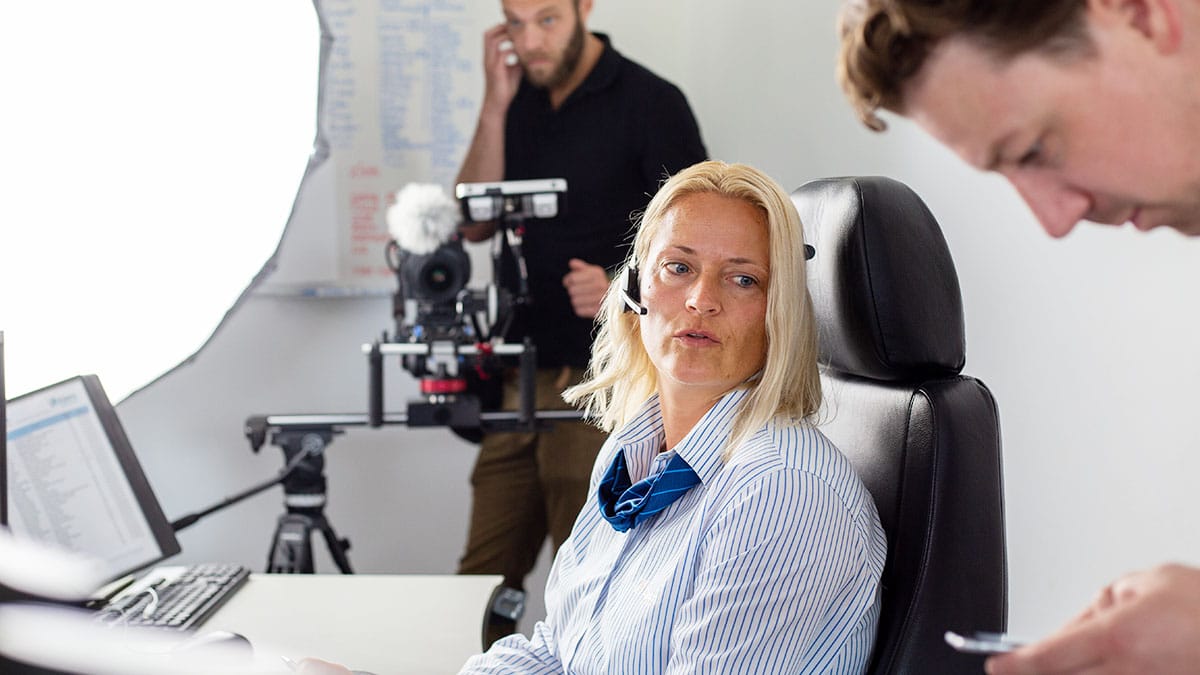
x=722, y=532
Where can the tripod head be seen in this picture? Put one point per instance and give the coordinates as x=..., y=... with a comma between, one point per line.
x=304, y=462
x=303, y=443
x=304, y=489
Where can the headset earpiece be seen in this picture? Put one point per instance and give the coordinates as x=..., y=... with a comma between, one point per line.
x=632, y=285
x=632, y=293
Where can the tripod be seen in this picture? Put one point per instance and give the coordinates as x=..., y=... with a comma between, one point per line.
x=303, y=440
x=304, y=499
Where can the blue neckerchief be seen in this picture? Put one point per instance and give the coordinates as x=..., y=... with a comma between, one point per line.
x=624, y=505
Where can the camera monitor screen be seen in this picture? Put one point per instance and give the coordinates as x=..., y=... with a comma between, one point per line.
x=74, y=481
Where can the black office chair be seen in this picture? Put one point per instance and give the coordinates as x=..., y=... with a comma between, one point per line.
x=924, y=438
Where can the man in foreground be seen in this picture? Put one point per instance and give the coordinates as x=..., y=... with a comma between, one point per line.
x=1091, y=109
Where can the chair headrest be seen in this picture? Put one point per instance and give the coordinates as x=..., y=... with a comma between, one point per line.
x=883, y=285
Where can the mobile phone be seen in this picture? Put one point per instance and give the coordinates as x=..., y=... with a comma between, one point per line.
x=981, y=642
x=510, y=56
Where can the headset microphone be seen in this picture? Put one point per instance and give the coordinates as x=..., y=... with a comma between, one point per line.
x=632, y=293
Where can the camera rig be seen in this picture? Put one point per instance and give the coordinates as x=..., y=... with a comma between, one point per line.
x=447, y=336
x=450, y=337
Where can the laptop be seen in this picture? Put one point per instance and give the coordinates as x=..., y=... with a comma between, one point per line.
x=75, y=483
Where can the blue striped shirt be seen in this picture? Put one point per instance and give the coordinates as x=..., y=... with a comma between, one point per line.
x=770, y=565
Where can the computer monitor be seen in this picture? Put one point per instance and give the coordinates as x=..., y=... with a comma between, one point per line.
x=75, y=482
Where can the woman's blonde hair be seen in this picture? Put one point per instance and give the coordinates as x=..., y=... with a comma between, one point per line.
x=621, y=376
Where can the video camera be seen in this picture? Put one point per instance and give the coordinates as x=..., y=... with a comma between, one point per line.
x=450, y=337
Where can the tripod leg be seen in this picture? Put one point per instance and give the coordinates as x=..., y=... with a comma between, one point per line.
x=291, y=550
x=337, y=547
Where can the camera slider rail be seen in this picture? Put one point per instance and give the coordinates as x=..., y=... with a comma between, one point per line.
x=259, y=426
x=453, y=410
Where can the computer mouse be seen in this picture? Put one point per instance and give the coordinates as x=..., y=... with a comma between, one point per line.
x=217, y=643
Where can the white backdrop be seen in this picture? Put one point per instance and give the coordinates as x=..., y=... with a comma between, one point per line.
x=151, y=154
x=1086, y=343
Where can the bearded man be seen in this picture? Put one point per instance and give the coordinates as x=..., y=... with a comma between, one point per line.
x=560, y=102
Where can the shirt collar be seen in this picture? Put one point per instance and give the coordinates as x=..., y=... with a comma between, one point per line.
x=642, y=437
x=603, y=73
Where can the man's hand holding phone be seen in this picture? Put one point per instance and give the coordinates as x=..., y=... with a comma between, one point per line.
x=1145, y=622
x=501, y=68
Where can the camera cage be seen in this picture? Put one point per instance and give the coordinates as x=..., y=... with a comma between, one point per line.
x=450, y=337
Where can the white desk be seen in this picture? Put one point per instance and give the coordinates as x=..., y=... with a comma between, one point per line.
x=386, y=624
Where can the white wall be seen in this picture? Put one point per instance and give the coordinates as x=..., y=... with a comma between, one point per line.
x=1086, y=343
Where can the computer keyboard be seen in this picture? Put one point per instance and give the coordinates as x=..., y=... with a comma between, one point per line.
x=175, y=597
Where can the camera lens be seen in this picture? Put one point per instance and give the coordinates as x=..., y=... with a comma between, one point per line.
x=436, y=277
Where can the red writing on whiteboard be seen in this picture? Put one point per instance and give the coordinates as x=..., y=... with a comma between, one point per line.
x=362, y=170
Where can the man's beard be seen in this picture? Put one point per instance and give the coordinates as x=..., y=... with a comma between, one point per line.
x=566, y=65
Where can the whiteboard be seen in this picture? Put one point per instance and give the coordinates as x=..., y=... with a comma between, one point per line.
x=400, y=89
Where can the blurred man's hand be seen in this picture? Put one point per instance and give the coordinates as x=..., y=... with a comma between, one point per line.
x=1148, y=622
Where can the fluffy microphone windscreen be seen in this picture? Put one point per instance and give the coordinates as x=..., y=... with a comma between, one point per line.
x=423, y=218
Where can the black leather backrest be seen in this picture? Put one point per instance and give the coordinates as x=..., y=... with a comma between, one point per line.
x=924, y=439
x=930, y=456
x=882, y=279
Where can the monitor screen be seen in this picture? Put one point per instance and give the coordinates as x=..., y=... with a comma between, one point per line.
x=74, y=481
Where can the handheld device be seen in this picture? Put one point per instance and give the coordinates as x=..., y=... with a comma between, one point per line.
x=510, y=56
x=981, y=642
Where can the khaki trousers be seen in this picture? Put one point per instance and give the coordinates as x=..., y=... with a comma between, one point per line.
x=526, y=486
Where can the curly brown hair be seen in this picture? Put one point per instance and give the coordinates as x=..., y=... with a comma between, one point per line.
x=885, y=42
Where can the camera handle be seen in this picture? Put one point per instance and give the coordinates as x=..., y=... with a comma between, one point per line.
x=513, y=235
x=303, y=439
x=288, y=469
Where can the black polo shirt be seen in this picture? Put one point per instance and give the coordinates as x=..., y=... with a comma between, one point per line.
x=615, y=139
